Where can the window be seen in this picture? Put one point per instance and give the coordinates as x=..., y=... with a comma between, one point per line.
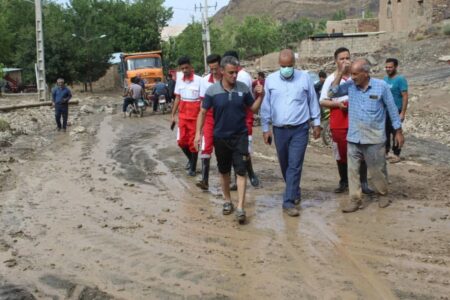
x=144, y=63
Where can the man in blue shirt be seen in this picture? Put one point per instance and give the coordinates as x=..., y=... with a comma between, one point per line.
x=61, y=96
x=399, y=89
x=159, y=89
x=369, y=99
x=290, y=104
x=229, y=99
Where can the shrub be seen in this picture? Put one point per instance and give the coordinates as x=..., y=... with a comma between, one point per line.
x=446, y=29
x=4, y=125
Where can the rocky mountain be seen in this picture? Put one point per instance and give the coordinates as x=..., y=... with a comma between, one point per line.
x=293, y=9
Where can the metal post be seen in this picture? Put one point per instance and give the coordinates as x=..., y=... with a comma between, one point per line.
x=208, y=40
x=40, y=65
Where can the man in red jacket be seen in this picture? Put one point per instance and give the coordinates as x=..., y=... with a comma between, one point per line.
x=187, y=103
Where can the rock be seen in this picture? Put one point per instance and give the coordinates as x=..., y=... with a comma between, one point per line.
x=78, y=129
x=109, y=110
x=162, y=221
x=372, y=60
x=86, y=109
x=10, y=263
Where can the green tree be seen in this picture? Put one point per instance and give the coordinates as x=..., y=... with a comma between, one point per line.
x=295, y=31
x=257, y=35
x=339, y=15
x=190, y=43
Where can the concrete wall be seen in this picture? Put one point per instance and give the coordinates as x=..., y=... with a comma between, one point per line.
x=326, y=47
x=409, y=15
x=353, y=26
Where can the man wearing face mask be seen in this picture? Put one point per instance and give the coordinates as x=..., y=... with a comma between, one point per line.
x=290, y=105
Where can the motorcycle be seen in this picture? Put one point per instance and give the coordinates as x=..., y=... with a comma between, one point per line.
x=137, y=108
x=162, y=104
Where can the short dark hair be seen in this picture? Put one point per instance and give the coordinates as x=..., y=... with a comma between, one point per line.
x=134, y=79
x=231, y=53
x=261, y=74
x=169, y=76
x=339, y=51
x=322, y=74
x=184, y=60
x=213, y=58
x=229, y=60
x=392, y=60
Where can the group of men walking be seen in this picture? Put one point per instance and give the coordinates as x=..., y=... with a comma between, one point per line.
x=216, y=112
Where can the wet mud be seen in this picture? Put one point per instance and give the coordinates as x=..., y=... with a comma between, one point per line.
x=113, y=215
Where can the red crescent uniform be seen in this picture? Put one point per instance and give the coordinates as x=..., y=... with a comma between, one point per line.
x=189, y=106
x=208, y=128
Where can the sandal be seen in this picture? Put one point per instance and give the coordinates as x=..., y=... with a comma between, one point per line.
x=227, y=208
x=240, y=215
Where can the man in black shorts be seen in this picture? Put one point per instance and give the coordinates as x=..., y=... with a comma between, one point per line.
x=229, y=99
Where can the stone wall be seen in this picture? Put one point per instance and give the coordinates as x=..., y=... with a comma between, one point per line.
x=409, y=15
x=326, y=47
x=353, y=26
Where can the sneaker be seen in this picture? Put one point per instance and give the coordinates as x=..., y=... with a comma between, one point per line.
x=352, y=206
x=228, y=208
x=292, y=211
x=384, y=202
x=192, y=173
x=240, y=216
x=395, y=159
x=233, y=187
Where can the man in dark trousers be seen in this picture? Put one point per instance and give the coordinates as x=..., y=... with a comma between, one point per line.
x=229, y=100
x=61, y=96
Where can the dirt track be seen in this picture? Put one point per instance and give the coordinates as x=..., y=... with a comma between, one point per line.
x=113, y=215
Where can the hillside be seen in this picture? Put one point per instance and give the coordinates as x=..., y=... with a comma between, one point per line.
x=292, y=9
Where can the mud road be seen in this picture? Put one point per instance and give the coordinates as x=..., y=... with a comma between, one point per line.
x=112, y=215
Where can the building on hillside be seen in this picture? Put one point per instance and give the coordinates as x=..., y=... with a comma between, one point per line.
x=409, y=15
x=353, y=26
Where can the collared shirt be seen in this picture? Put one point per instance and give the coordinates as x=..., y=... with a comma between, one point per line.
x=367, y=111
x=207, y=81
x=290, y=101
x=229, y=108
x=61, y=95
x=188, y=88
x=338, y=117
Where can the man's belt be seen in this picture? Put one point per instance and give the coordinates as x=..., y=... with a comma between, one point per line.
x=287, y=126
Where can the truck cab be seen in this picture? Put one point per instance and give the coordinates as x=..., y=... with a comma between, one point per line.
x=146, y=64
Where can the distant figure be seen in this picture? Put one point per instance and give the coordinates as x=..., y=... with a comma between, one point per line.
x=61, y=96
x=399, y=90
x=318, y=86
x=171, y=87
x=261, y=80
x=159, y=89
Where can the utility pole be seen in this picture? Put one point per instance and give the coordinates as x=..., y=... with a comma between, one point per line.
x=40, y=64
x=205, y=33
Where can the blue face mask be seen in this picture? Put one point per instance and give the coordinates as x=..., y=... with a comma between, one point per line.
x=287, y=72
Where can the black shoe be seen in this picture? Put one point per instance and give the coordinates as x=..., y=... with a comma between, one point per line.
x=254, y=181
x=203, y=184
x=193, y=164
x=189, y=157
x=365, y=189
x=343, y=187
x=292, y=211
x=233, y=187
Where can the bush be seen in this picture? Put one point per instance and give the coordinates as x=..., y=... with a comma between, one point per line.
x=4, y=125
x=446, y=29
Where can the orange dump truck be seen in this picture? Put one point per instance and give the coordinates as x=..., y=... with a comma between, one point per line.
x=146, y=64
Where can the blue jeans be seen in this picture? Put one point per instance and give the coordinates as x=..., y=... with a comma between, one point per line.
x=291, y=147
x=61, y=111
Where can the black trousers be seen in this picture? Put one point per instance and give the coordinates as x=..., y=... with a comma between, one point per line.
x=390, y=136
x=61, y=111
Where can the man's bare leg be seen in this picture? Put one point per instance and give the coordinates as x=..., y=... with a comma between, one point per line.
x=241, y=188
x=225, y=182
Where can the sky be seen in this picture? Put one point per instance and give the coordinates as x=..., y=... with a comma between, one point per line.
x=183, y=10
